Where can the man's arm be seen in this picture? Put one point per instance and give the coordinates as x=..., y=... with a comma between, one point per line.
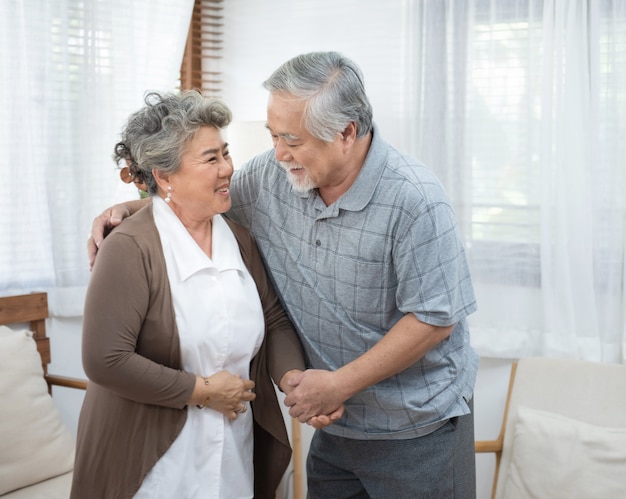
x=321, y=392
x=104, y=223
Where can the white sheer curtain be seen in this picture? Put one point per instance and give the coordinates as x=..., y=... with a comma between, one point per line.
x=72, y=71
x=582, y=216
x=529, y=102
x=520, y=108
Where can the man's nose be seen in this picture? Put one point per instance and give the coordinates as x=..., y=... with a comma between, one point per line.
x=281, y=150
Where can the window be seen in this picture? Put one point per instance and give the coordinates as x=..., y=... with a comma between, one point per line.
x=504, y=121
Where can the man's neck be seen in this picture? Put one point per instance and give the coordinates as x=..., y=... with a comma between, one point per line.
x=331, y=193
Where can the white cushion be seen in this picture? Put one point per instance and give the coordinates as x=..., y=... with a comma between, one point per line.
x=558, y=457
x=57, y=487
x=34, y=443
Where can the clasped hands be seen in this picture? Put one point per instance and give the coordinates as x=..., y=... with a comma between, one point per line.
x=314, y=397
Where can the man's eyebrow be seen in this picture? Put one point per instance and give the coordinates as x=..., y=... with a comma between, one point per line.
x=288, y=136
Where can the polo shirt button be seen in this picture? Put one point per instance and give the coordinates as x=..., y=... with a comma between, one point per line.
x=318, y=243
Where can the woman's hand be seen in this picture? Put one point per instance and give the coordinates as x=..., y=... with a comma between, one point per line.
x=319, y=422
x=224, y=392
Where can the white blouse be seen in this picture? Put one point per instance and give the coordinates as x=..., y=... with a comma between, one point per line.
x=220, y=323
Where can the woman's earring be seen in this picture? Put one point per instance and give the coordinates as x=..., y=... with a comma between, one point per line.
x=168, y=198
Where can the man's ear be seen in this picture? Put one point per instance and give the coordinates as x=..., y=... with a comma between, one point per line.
x=349, y=133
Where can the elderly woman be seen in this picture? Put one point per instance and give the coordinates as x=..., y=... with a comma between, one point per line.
x=182, y=330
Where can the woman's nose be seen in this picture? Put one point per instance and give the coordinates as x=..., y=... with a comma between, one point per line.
x=226, y=168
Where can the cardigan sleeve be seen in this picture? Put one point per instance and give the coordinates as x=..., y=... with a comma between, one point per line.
x=119, y=305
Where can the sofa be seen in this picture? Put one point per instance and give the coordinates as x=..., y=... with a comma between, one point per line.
x=36, y=448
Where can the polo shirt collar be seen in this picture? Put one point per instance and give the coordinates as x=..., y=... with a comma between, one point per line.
x=362, y=190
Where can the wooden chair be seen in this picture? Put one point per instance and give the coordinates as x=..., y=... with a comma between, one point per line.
x=495, y=446
x=33, y=309
x=563, y=429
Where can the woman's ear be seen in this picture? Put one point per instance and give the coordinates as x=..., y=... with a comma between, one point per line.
x=162, y=179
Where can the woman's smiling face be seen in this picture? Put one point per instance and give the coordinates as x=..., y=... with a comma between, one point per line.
x=201, y=186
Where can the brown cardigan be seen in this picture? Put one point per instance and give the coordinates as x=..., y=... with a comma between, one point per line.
x=135, y=405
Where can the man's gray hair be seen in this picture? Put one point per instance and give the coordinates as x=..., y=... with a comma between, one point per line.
x=333, y=88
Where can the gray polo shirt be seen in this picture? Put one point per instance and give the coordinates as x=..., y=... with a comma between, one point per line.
x=346, y=273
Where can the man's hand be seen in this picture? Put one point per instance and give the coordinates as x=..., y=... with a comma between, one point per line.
x=315, y=398
x=101, y=226
x=288, y=384
x=105, y=222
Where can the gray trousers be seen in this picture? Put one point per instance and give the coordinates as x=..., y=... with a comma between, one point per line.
x=440, y=465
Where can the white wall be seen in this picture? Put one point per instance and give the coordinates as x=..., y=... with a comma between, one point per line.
x=65, y=343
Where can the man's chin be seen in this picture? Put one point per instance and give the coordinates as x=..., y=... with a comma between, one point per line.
x=299, y=184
